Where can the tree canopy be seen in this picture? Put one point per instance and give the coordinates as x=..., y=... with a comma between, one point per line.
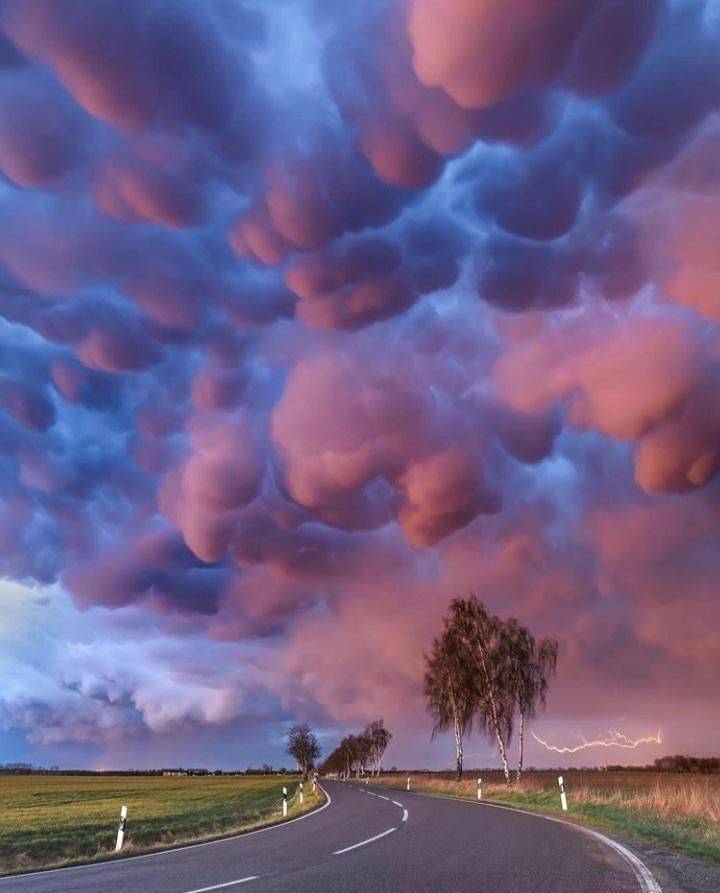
x=486, y=672
x=303, y=747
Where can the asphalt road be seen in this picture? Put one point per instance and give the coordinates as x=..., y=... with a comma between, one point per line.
x=372, y=839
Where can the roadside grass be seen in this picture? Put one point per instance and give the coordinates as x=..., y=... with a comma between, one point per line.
x=58, y=820
x=680, y=812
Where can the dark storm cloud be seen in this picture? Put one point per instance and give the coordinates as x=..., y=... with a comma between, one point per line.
x=139, y=65
x=155, y=567
x=313, y=312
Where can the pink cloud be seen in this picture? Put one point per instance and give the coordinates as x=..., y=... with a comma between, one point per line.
x=221, y=475
x=653, y=382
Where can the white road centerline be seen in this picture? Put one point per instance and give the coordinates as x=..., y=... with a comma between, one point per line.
x=394, y=802
x=252, y=877
x=363, y=842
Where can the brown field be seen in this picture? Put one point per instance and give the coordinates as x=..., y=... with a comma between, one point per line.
x=666, y=793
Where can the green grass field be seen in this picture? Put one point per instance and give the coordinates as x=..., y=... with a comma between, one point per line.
x=680, y=812
x=59, y=820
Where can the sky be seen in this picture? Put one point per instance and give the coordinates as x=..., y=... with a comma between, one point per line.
x=317, y=315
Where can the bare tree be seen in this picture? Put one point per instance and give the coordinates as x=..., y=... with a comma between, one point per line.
x=528, y=664
x=354, y=749
x=303, y=747
x=479, y=635
x=485, y=670
x=449, y=690
x=333, y=763
x=347, y=749
x=356, y=752
x=379, y=738
x=363, y=752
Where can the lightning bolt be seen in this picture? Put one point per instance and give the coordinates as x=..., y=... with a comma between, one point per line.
x=616, y=739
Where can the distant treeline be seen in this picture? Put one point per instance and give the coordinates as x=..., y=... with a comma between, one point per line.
x=359, y=753
x=28, y=769
x=681, y=763
x=676, y=763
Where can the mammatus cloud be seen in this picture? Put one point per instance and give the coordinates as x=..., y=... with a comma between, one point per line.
x=649, y=381
x=301, y=338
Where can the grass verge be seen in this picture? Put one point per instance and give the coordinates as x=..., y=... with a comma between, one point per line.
x=57, y=821
x=679, y=814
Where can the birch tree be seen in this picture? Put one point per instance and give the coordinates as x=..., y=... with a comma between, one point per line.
x=529, y=665
x=449, y=691
x=356, y=752
x=479, y=635
x=379, y=738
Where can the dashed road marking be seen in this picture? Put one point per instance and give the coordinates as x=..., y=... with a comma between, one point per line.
x=363, y=842
x=252, y=877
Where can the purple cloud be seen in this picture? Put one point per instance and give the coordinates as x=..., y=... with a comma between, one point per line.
x=298, y=334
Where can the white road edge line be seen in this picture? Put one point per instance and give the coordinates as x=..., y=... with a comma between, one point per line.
x=252, y=877
x=647, y=882
x=642, y=873
x=363, y=842
x=383, y=798
x=105, y=863
x=398, y=804
x=405, y=814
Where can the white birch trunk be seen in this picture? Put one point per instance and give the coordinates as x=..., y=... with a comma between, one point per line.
x=521, y=737
x=494, y=717
x=458, y=748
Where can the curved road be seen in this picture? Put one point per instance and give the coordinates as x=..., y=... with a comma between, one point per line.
x=373, y=839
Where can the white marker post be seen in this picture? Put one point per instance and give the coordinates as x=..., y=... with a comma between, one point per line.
x=408, y=783
x=284, y=801
x=479, y=788
x=563, y=798
x=302, y=795
x=314, y=784
x=121, y=829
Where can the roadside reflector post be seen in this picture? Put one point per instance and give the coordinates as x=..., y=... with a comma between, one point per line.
x=314, y=783
x=479, y=788
x=563, y=797
x=302, y=795
x=121, y=829
x=408, y=784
